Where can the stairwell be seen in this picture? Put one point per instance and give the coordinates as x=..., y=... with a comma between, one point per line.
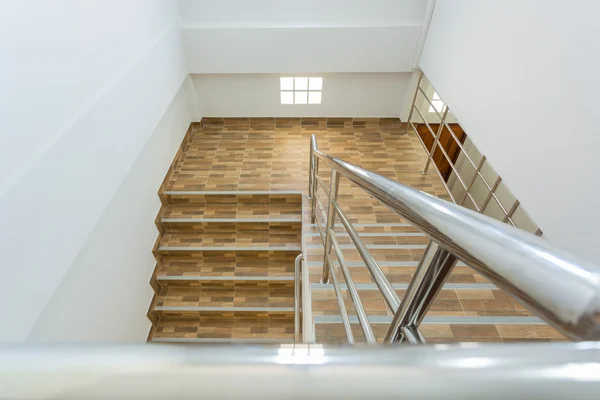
x=235, y=216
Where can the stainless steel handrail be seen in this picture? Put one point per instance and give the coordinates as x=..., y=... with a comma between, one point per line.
x=556, y=285
x=520, y=371
x=297, y=283
x=478, y=175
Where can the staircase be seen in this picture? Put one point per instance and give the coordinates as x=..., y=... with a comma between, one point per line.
x=234, y=218
x=225, y=267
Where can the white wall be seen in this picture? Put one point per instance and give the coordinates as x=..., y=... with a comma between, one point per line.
x=269, y=13
x=272, y=36
x=522, y=79
x=105, y=294
x=344, y=95
x=84, y=85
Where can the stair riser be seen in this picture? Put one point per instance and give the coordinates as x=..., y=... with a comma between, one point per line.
x=449, y=302
x=224, y=329
x=232, y=227
x=223, y=314
x=198, y=198
x=222, y=264
x=373, y=240
x=402, y=275
x=445, y=333
x=249, y=258
x=230, y=285
x=381, y=255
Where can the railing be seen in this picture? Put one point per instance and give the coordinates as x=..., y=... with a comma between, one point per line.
x=475, y=173
x=555, y=285
x=297, y=302
x=545, y=371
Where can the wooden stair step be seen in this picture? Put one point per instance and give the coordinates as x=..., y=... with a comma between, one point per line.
x=229, y=216
x=269, y=329
x=224, y=282
x=454, y=331
x=474, y=300
x=231, y=263
x=280, y=236
x=275, y=298
x=381, y=253
x=374, y=238
x=231, y=197
x=397, y=272
x=368, y=228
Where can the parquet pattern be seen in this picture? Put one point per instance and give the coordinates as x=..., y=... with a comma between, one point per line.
x=224, y=260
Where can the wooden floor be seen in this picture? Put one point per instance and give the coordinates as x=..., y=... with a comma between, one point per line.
x=225, y=260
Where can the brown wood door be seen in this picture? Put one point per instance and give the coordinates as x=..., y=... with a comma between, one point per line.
x=447, y=142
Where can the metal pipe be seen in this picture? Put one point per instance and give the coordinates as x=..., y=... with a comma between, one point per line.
x=314, y=173
x=437, y=170
x=323, y=185
x=430, y=103
x=363, y=319
x=335, y=181
x=508, y=216
x=458, y=142
x=297, y=280
x=436, y=140
x=388, y=292
x=342, y=306
x=548, y=371
x=434, y=267
x=475, y=175
x=427, y=124
x=413, y=335
x=490, y=193
x=320, y=229
x=413, y=102
x=538, y=232
x=556, y=285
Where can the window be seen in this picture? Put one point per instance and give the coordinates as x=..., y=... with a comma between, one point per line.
x=301, y=90
x=437, y=103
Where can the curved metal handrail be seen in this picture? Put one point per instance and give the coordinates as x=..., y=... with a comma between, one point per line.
x=546, y=371
x=554, y=284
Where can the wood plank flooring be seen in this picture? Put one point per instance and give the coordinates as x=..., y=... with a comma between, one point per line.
x=232, y=224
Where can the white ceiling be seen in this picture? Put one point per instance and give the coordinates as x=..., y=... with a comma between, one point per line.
x=272, y=36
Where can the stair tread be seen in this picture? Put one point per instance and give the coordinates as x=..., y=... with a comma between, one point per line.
x=183, y=196
x=244, y=239
x=228, y=278
x=369, y=228
x=233, y=211
x=225, y=328
x=334, y=333
x=272, y=295
x=468, y=302
x=232, y=264
x=399, y=274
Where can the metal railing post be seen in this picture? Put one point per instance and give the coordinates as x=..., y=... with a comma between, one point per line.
x=314, y=169
x=433, y=269
x=412, y=106
x=436, y=140
x=333, y=190
x=297, y=280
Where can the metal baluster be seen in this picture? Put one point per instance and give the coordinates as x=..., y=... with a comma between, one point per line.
x=433, y=269
x=414, y=100
x=479, y=166
x=436, y=140
x=297, y=279
x=313, y=178
x=333, y=190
